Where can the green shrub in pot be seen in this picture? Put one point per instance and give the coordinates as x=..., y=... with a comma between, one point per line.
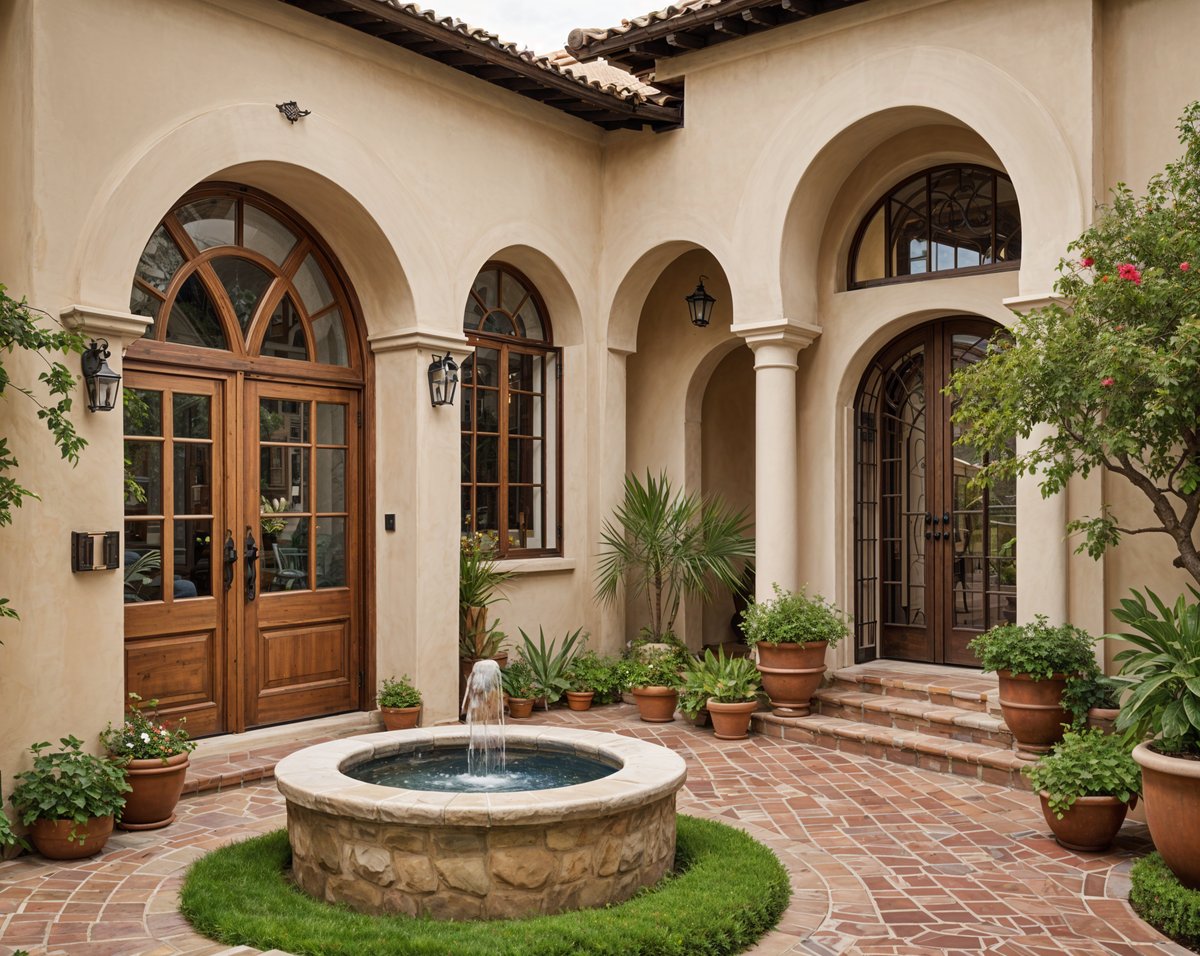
x=794, y=618
x=1086, y=763
x=1037, y=650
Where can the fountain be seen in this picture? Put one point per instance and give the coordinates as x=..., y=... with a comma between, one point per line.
x=483, y=821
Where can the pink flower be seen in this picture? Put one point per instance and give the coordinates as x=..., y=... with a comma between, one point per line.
x=1087, y=262
x=1129, y=273
x=1184, y=266
x=1107, y=382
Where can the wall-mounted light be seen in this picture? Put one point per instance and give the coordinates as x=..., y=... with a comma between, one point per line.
x=700, y=305
x=103, y=384
x=443, y=380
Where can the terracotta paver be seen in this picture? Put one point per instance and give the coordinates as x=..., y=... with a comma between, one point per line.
x=885, y=859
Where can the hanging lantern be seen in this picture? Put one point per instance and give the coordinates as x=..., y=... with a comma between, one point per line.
x=443, y=380
x=700, y=305
x=103, y=384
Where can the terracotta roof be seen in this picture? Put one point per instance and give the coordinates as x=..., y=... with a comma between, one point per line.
x=606, y=96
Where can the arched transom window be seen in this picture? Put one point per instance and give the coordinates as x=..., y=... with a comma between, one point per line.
x=946, y=219
x=511, y=423
x=229, y=269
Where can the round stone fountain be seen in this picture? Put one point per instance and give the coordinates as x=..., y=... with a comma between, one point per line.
x=482, y=854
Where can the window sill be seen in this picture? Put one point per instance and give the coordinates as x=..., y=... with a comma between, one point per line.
x=537, y=565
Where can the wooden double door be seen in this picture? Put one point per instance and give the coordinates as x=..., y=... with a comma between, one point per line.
x=936, y=557
x=242, y=548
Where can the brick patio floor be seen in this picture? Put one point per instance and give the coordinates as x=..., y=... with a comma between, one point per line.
x=884, y=858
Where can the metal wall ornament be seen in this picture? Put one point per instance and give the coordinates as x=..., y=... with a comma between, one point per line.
x=103, y=384
x=291, y=111
x=443, y=380
x=700, y=305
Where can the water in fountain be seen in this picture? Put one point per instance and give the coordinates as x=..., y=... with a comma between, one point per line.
x=484, y=707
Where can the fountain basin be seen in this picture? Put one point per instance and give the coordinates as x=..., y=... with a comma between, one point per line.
x=382, y=849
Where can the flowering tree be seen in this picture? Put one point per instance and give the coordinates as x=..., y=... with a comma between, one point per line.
x=1114, y=369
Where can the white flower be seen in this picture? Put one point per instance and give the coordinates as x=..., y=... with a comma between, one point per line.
x=130, y=746
x=145, y=736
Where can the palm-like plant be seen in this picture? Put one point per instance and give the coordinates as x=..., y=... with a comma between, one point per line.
x=668, y=545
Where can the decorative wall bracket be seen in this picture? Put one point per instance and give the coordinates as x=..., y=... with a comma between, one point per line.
x=291, y=111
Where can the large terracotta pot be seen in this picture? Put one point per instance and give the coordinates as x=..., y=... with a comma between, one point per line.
x=51, y=837
x=1033, y=711
x=580, y=699
x=656, y=705
x=790, y=674
x=150, y=805
x=465, y=664
x=1090, y=825
x=400, y=718
x=520, y=707
x=731, y=721
x=1171, y=795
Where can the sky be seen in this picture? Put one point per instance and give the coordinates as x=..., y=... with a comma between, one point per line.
x=541, y=25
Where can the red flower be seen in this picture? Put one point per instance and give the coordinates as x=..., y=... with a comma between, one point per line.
x=1184, y=266
x=1104, y=278
x=1087, y=262
x=1129, y=273
x=1107, y=382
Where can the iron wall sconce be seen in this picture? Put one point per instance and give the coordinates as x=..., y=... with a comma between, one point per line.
x=700, y=305
x=443, y=380
x=84, y=549
x=103, y=384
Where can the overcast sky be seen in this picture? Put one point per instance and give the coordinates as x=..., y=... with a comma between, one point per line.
x=541, y=25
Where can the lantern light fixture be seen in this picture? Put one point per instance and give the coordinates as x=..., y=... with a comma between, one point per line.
x=700, y=305
x=443, y=380
x=103, y=384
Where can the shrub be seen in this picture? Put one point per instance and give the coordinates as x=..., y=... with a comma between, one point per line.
x=1165, y=903
x=69, y=785
x=1089, y=763
x=600, y=675
x=793, y=618
x=1085, y=691
x=518, y=681
x=1036, y=649
x=660, y=670
x=398, y=693
x=550, y=664
x=141, y=738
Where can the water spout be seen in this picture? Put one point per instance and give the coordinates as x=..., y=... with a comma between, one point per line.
x=484, y=706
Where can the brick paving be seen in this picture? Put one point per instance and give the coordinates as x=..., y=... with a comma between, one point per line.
x=884, y=859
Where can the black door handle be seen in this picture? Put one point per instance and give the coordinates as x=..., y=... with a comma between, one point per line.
x=230, y=558
x=251, y=565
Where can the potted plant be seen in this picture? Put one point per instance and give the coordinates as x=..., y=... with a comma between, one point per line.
x=655, y=684
x=1162, y=674
x=155, y=758
x=480, y=581
x=69, y=799
x=399, y=703
x=1033, y=662
x=9, y=838
x=595, y=678
x=549, y=664
x=520, y=689
x=1087, y=784
x=791, y=634
x=731, y=686
x=1093, y=700
x=668, y=546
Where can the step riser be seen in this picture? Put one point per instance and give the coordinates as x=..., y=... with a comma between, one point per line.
x=1002, y=739
x=943, y=700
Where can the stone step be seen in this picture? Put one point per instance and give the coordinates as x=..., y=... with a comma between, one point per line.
x=849, y=702
x=941, y=754
x=947, y=686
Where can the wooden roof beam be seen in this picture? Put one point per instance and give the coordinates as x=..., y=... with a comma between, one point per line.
x=730, y=26
x=760, y=18
x=685, y=41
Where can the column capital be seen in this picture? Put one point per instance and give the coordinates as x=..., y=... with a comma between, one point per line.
x=118, y=328
x=420, y=337
x=787, y=332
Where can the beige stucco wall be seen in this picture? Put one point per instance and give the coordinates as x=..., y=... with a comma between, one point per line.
x=416, y=175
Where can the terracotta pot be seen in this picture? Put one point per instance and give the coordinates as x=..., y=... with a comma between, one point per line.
x=580, y=699
x=1090, y=825
x=700, y=719
x=1104, y=718
x=50, y=837
x=464, y=670
x=656, y=705
x=520, y=707
x=1171, y=795
x=150, y=805
x=400, y=718
x=731, y=721
x=1033, y=711
x=790, y=674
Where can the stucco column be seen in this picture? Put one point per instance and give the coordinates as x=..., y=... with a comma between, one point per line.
x=417, y=477
x=776, y=346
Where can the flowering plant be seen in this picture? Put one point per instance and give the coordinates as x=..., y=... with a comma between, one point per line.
x=143, y=738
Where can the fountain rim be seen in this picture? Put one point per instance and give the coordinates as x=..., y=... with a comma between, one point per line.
x=313, y=778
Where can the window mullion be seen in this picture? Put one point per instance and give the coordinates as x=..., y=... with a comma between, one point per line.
x=502, y=451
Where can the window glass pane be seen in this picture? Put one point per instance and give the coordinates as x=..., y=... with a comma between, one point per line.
x=209, y=222
x=193, y=559
x=474, y=315
x=466, y=405
x=331, y=552
x=524, y=460
x=330, y=336
x=512, y=293
x=487, y=459
x=487, y=410
x=143, y=412
x=193, y=478
x=145, y=467
x=871, y=253
x=310, y=283
x=285, y=555
x=465, y=458
x=264, y=233
x=524, y=517
x=486, y=367
x=244, y=283
x=466, y=510
x=282, y=420
x=498, y=323
x=910, y=249
x=191, y=416
x=525, y=414
x=487, y=512
x=194, y=319
x=142, y=561
x=331, y=424
x=525, y=371
x=1008, y=222
x=283, y=476
x=160, y=260
x=486, y=288
x=285, y=333
x=142, y=302
x=529, y=322
x=331, y=479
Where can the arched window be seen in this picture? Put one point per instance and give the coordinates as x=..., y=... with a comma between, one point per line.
x=228, y=269
x=947, y=219
x=511, y=420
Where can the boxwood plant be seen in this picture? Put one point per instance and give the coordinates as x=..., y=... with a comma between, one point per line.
x=1087, y=763
x=1165, y=903
x=1035, y=649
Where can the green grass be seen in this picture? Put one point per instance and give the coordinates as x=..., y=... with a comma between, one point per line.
x=728, y=891
x=1165, y=903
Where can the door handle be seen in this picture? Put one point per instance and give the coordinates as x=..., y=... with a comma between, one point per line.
x=251, y=565
x=230, y=558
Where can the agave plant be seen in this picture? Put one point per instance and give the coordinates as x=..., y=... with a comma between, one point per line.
x=550, y=665
x=1162, y=670
x=668, y=545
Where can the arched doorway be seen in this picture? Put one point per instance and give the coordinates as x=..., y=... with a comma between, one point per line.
x=244, y=601
x=935, y=560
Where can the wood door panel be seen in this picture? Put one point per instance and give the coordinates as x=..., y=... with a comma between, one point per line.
x=311, y=653
x=177, y=670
